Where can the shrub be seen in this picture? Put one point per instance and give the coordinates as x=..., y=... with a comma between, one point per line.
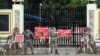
x=1, y=52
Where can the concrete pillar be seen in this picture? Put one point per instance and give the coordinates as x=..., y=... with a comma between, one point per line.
x=18, y=15
x=92, y=19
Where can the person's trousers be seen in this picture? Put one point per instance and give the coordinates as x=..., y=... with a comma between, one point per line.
x=29, y=43
x=53, y=45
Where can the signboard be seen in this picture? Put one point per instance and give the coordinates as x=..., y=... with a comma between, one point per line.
x=19, y=38
x=41, y=30
x=64, y=33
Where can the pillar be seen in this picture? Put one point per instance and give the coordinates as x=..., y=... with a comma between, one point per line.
x=18, y=14
x=92, y=18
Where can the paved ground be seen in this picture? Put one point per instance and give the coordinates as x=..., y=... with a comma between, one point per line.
x=58, y=55
x=70, y=51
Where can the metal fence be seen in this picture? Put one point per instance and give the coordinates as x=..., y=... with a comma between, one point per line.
x=64, y=41
x=61, y=18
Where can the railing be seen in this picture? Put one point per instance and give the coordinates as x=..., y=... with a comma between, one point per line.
x=2, y=43
x=63, y=41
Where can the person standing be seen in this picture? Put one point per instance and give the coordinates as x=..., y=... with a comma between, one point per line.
x=11, y=40
x=53, y=40
x=28, y=40
x=87, y=42
x=82, y=43
x=90, y=41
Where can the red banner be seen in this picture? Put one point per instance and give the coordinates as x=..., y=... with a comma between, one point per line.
x=19, y=38
x=64, y=33
x=41, y=30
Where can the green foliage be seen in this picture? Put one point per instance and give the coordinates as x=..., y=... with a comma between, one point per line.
x=56, y=3
x=26, y=4
x=2, y=1
x=51, y=3
x=77, y=2
x=63, y=3
x=4, y=4
x=98, y=3
x=1, y=52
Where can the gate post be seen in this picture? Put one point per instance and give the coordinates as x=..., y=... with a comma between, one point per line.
x=92, y=18
x=18, y=14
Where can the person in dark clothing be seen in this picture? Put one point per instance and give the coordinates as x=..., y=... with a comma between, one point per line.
x=28, y=40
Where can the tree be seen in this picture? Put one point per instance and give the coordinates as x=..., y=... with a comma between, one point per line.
x=98, y=3
x=55, y=3
x=5, y=3
x=74, y=3
x=49, y=3
x=63, y=3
